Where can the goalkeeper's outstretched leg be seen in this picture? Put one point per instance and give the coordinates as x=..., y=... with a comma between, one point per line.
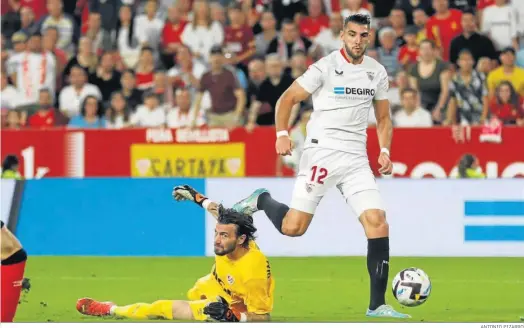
x=199, y=310
x=164, y=309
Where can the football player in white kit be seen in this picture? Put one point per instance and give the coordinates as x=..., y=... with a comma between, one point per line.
x=344, y=85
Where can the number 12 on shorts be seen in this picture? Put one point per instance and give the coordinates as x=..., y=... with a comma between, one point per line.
x=322, y=174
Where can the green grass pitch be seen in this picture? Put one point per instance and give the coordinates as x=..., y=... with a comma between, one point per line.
x=307, y=289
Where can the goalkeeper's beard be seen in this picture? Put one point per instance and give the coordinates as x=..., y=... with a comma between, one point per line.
x=224, y=250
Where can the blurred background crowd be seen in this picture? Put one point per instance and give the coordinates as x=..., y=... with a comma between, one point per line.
x=192, y=63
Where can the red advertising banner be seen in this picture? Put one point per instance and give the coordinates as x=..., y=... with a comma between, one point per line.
x=136, y=152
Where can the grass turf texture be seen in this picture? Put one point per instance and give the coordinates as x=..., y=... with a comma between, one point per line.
x=307, y=289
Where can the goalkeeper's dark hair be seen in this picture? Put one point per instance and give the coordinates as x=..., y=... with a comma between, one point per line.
x=359, y=19
x=243, y=222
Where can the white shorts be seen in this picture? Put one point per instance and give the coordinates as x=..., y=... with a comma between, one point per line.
x=321, y=168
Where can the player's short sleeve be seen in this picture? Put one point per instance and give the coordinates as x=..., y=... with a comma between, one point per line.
x=383, y=85
x=259, y=287
x=311, y=80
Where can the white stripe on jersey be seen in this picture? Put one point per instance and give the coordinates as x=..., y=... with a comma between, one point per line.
x=343, y=95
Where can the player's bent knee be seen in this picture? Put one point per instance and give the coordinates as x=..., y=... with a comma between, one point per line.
x=296, y=223
x=374, y=222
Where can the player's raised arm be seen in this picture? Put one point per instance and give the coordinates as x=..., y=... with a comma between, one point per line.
x=384, y=124
x=187, y=192
x=299, y=91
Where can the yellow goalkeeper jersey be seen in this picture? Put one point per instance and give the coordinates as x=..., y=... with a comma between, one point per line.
x=247, y=281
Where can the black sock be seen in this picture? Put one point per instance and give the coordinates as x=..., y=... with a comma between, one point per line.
x=378, y=268
x=275, y=211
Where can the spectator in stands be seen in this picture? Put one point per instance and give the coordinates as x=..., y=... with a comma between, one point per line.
x=408, y=53
x=329, y=39
x=288, y=42
x=462, y=5
x=298, y=64
x=46, y=115
x=49, y=44
x=100, y=38
x=499, y=22
x=161, y=90
x=148, y=27
x=388, y=51
x=228, y=99
x=257, y=75
x=126, y=41
x=19, y=41
x=397, y=18
x=431, y=77
x=411, y=115
x=62, y=22
x=91, y=115
x=444, y=26
x=518, y=9
x=315, y=21
x=72, y=97
x=412, y=9
x=396, y=88
x=508, y=71
x=150, y=114
x=145, y=69
x=268, y=34
x=132, y=95
x=239, y=39
x=106, y=78
x=86, y=59
x=9, y=96
x=507, y=105
x=262, y=111
x=13, y=120
x=182, y=115
x=27, y=21
x=36, y=70
x=479, y=45
x=202, y=33
x=484, y=65
x=355, y=7
x=469, y=168
x=188, y=71
x=468, y=103
x=107, y=9
x=118, y=114
x=481, y=5
x=218, y=13
x=172, y=35
x=420, y=18
x=520, y=58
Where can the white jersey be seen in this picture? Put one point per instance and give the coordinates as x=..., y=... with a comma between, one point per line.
x=343, y=95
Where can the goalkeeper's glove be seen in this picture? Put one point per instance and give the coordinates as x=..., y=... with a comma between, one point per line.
x=220, y=311
x=186, y=192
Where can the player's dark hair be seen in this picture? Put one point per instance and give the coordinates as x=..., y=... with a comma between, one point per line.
x=359, y=19
x=243, y=222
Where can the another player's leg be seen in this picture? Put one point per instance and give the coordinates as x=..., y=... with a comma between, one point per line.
x=164, y=309
x=289, y=222
x=12, y=278
x=368, y=205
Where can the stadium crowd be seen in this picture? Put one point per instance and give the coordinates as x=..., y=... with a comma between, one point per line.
x=190, y=63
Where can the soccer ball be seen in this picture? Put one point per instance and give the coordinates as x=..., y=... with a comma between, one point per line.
x=411, y=287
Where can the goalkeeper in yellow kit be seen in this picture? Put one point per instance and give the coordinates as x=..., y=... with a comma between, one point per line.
x=239, y=287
